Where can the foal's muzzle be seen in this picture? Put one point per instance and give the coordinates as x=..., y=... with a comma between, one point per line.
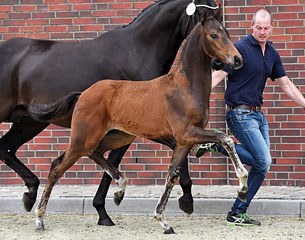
x=217, y=64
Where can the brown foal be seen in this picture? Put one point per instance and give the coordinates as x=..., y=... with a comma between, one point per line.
x=175, y=105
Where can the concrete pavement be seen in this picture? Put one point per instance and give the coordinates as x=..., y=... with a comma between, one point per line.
x=208, y=200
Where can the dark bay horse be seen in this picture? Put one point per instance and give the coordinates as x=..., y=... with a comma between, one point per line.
x=175, y=105
x=43, y=71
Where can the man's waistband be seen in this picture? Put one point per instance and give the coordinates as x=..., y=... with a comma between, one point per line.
x=243, y=106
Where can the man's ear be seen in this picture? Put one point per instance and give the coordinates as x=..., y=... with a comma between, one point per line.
x=273, y=24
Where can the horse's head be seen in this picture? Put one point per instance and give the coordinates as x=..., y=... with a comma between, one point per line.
x=195, y=11
x=216, y=43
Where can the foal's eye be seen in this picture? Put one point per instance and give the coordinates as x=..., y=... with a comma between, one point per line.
x=214, y=36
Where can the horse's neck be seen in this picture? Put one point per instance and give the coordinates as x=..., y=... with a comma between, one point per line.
x=159, y=26
x=196, y=65
x=161, y=14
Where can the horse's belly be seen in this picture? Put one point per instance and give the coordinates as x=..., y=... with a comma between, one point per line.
x=147, y=127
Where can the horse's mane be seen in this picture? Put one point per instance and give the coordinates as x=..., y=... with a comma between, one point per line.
x=145, y=10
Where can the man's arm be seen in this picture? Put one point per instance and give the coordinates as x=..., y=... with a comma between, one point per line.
x=291, y=90
x=217, y=77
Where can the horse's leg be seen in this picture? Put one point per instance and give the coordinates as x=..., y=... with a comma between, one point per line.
x=186, y=201
x=198, y=135
x=114, y=158
x=179, y=155
x=58, y=167
x=18, y=134
x=110, y=141
x=115, y=174
x=240, y=170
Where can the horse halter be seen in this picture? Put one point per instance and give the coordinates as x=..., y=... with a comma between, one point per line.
x=191, y=9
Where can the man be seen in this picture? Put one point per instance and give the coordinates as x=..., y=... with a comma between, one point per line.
x=244, y=117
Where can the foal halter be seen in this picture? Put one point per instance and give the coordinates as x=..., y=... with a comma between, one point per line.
x=191, y=9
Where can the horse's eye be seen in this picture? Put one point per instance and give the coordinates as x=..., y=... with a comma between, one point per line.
x=214, y=36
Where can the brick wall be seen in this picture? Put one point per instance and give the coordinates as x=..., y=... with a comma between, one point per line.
x=147, y=162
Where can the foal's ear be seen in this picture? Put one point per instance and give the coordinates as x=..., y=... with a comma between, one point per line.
x=218, y=15
x=204, y=17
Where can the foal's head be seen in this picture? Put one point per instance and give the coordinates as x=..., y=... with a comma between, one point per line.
x=216, y=43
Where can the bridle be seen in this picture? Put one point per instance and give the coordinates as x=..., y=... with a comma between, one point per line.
x=191, y=10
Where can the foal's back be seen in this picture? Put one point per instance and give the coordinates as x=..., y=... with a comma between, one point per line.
x=143, y=109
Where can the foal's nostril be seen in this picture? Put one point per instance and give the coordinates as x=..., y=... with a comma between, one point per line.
x=238, y=61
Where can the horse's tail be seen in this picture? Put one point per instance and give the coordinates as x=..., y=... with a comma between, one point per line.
x=55, y=110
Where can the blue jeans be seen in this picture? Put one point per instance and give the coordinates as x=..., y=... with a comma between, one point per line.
x=251, y=129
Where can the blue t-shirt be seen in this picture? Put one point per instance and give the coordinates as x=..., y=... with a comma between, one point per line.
x=246, y=85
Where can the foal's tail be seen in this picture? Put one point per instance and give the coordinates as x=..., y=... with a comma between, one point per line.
x=55, y=110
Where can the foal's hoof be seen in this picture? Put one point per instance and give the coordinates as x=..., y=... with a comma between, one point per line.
x=186, y=206
x=118, y=197
x=105, y=222
x=28, y=201
x=169, y=231
x=40, y=229
x=242, y=196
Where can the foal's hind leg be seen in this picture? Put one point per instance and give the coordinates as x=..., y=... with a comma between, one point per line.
x=59, y=166
x=18, y=134
x=114, y=158
x=115, y=174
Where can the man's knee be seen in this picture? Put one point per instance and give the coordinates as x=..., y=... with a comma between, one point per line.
x=263, y=165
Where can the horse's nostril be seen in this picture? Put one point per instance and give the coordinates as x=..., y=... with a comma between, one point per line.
x=236, y=59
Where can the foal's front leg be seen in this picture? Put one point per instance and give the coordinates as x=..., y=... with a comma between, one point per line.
x=240, y=170
x=199, y=135
x=179, y=155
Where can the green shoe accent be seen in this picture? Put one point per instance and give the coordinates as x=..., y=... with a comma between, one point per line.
x=201, y=149
x=241, y=219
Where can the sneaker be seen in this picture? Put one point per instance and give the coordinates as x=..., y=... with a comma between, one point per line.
x=241, y=219
x=204, y=148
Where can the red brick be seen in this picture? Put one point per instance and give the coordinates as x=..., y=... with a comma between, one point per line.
x=297, y=175
x=284, y=2
x=147, y=162
x=82, y=7
x=6, y=8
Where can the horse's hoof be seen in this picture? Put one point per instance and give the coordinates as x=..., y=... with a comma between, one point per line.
x=106, y=222
x=242, y=196
x=118, y=197
x=39, y=229
x=169, y=231
x=28, y=201
x=186, y=206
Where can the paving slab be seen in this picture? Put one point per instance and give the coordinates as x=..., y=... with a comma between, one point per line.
x=208, y=200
